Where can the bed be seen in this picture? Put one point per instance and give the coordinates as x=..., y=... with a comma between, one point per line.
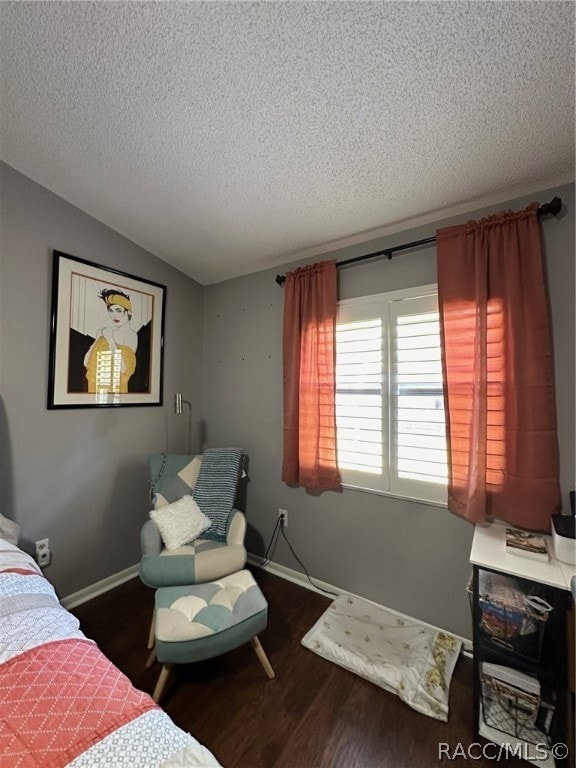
x=63, y=704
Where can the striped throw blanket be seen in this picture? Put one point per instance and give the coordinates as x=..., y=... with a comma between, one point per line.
x=215, y=489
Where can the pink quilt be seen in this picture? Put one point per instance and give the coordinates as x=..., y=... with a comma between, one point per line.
x=59, y=699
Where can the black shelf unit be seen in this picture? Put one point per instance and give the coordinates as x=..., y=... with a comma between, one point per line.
x=549, y=665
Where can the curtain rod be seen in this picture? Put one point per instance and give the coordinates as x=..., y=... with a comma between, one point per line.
x=553, y=207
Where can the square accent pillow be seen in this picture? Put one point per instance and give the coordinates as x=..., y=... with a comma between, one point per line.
x=180, y=522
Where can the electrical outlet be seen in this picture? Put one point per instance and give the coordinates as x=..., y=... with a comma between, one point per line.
x=42, y=552
x=283, y=515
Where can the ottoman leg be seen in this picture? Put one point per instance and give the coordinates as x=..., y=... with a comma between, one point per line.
x=151, y=658
x=262, y=657
x=164, y=672
x=151, y=637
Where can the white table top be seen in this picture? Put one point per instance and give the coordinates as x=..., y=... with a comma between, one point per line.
x=489, y=551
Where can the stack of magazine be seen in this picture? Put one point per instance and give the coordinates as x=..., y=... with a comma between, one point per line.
x=526, y=544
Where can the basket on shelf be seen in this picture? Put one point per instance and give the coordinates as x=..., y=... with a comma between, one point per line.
x=519, y=713
x=511, y=618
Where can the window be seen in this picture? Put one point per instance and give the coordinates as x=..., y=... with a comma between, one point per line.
x=391, y=432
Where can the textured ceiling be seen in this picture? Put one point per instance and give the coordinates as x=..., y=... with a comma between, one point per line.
x=228, y=137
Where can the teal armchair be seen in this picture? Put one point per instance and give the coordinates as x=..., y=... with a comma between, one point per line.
x=213, y=478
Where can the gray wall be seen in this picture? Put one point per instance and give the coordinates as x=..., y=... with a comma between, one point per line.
x=405, y=555
x=79, y=476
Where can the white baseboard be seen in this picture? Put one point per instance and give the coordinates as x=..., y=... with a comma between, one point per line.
x=300, y=578
x=77, y=598
x=321, y=587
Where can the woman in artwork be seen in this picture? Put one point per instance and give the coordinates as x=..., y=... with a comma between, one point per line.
x=111, y=360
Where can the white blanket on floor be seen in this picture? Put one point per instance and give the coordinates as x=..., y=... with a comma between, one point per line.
x=404, y=657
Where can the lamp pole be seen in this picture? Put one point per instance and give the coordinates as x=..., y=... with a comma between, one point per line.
x=178, y=402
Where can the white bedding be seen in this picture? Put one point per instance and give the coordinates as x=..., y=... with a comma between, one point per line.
x=412, y=660
x=31, y=616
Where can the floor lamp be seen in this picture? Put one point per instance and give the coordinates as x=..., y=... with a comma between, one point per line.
x=178, y=401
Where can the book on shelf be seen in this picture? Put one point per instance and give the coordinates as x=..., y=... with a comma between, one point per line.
x=526, y=544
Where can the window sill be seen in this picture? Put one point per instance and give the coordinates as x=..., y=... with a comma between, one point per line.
x=427, y=502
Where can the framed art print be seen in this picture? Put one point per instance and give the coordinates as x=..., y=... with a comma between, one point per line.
x=106, y=337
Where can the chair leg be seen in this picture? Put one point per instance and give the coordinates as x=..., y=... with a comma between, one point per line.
x=164, y=672
x=151, y=658
x=262, y=657
x=151, y=637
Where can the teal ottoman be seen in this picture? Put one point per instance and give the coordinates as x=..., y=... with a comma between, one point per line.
x=200, y=621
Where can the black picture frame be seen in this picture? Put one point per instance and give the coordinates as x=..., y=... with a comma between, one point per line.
x=106, y=337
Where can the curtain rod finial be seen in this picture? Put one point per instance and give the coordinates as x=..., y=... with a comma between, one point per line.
x=280, y=279
x=553, y=207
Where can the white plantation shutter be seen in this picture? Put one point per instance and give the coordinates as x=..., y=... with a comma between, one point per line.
x=417, y=424
x=360, y=415
x=389, y=404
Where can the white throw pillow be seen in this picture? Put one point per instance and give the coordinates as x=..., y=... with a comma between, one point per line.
x=180, y=522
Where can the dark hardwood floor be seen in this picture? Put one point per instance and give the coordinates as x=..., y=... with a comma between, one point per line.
x=312, y=715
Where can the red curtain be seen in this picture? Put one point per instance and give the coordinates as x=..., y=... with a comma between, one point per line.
x=498, y=371
x=309, y=378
